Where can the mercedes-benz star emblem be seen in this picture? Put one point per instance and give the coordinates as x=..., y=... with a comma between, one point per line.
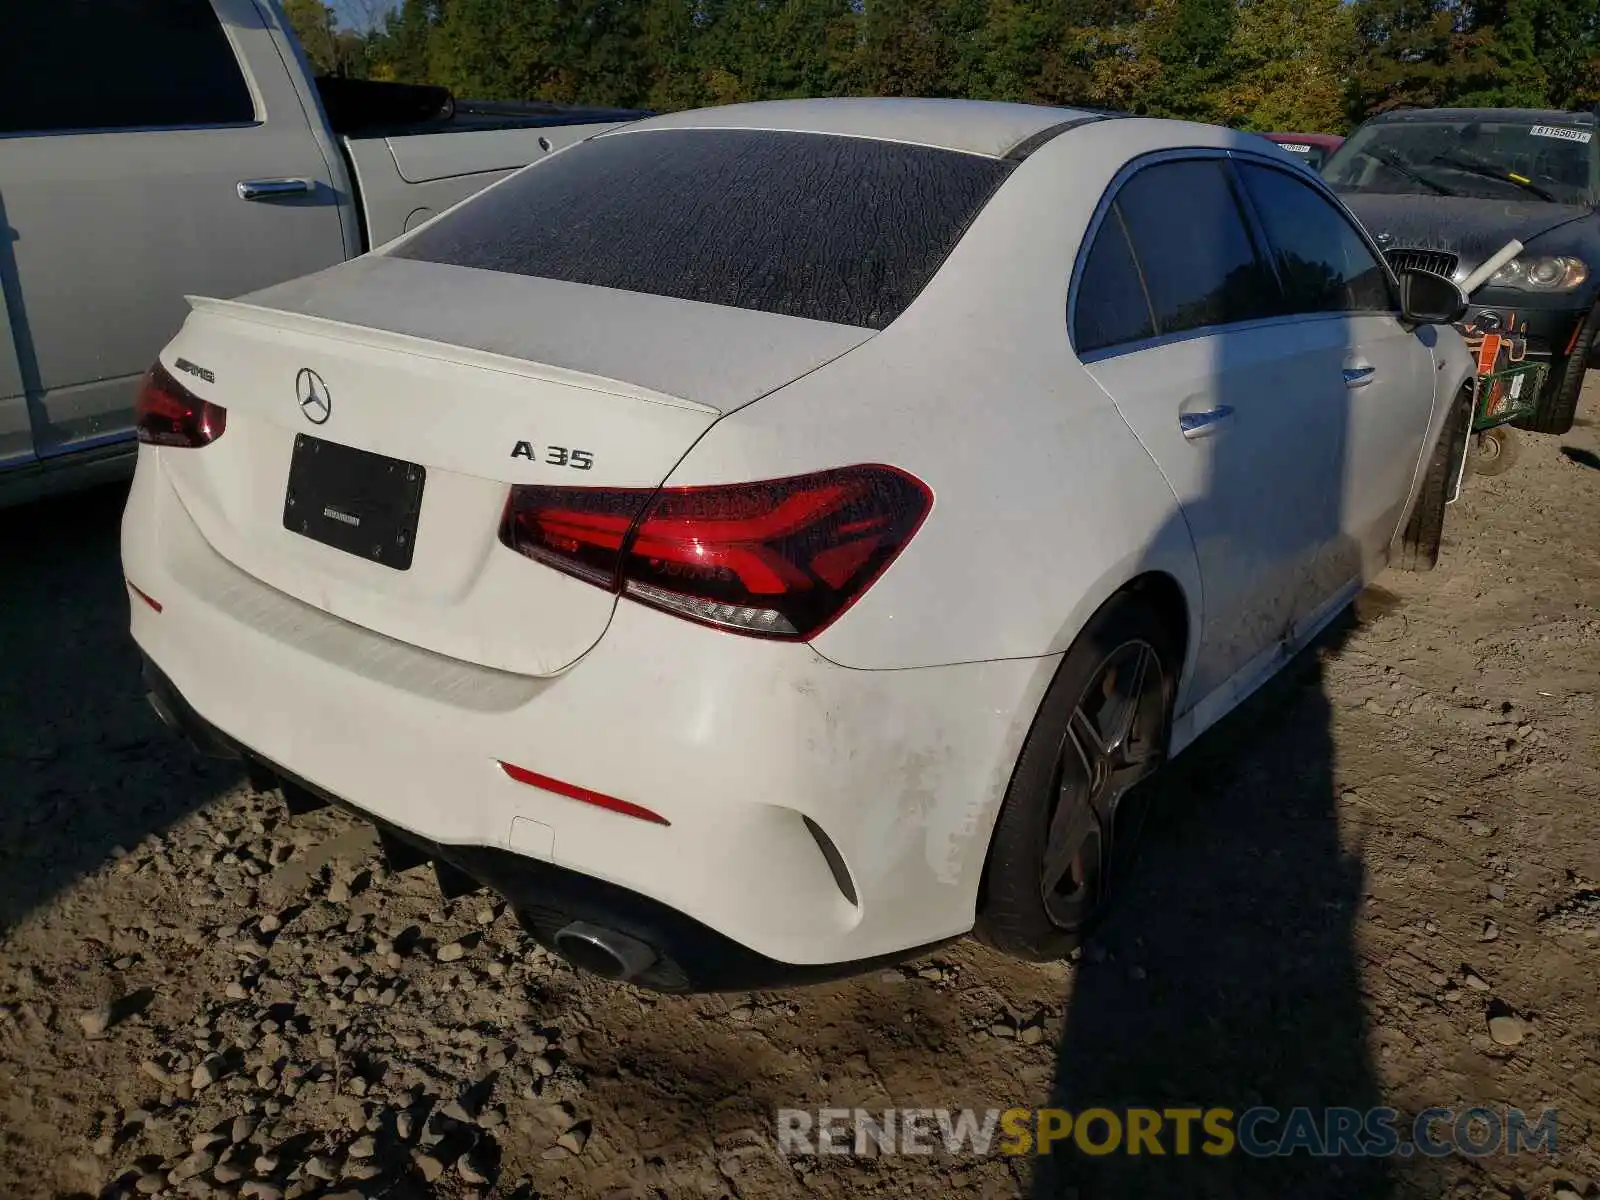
x=315, y=400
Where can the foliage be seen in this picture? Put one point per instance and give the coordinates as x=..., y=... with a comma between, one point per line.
x=331, y=50
x=313, y=24
x=1303, y=65
x=1285, y=67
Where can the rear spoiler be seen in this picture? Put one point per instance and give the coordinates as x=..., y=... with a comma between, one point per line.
x=342, y=331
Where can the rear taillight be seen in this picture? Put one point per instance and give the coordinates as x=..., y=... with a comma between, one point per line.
x=169, y=414
x=779, y=559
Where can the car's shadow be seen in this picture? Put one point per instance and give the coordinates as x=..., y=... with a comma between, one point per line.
x=1584, y=458
x=1226, y=976
x=87, y=767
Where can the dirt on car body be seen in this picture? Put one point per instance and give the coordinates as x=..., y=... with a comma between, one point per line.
x=1376, y=885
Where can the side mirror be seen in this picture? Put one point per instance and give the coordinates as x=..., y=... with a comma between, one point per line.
x=1429, y=299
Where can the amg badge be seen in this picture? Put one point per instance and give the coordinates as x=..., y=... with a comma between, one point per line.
x=189, y=368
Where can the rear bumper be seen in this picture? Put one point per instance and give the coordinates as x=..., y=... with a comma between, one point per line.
x=744, y=747
x=687, y=955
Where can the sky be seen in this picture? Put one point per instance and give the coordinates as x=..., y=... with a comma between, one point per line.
x=354, y=12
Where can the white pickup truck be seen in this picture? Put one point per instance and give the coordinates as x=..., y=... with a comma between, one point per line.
x=153, y=149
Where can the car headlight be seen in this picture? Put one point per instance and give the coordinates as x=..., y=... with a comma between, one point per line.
x=1547, y=273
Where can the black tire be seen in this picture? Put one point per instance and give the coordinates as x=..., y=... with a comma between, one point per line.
x=1558, y=403
x=1017, y=913
x=1494, y=451
x=1424, y=532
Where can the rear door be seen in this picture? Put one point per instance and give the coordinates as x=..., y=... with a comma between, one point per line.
x=128, y=127
x=1179, y=317
x=1331, y=275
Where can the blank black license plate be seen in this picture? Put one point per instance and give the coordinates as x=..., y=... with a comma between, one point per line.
x=356, y=501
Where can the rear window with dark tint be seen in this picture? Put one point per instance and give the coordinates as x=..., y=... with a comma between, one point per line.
x=1193, y=247
x=837, y=229
x=1111, y=305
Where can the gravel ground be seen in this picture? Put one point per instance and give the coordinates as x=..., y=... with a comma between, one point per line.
x=1377, y=883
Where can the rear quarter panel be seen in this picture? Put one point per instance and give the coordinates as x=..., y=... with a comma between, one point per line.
x=1045, y=502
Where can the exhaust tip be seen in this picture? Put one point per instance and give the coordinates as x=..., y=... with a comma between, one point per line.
x=603, y=951
x=178, y=718
x=164, y=710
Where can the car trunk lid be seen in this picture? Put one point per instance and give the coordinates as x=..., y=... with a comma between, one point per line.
x=707, y=354
x=297, y=492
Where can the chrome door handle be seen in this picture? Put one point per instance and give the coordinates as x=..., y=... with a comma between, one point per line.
x=1198, y=424
x=267, y=189
x=1358, y=376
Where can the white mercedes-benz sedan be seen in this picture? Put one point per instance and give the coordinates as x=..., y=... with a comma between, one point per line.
x=764, y=541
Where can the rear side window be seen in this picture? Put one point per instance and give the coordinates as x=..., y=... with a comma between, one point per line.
x=1193, y=248
x=1111, y=306
x=117, y=64
x=847, y=230
x=1324, y=264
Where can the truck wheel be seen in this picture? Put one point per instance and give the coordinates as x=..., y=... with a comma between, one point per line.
x=1494, y=451
x=1420, y=541
x=1102, y=727
x=1558, y=403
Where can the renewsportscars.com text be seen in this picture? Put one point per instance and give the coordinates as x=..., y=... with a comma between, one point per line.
x=1259, y=1132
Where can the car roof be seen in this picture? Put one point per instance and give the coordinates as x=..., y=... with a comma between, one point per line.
x=1534, y=115
x=1314, y=139
x=967, y=126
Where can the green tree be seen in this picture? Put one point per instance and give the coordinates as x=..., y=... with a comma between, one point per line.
x=1193, y=50
x=1125, y=66
x=1167, y=59
x=1566, y=41
x=921, y=47
x=1045, y=51
x=771, y=49
x=1288, y=60
x=313, y=23
x=569, y=51
x=674, y=43
x=1502, y=33
x=1258, y=64
x=399, y=50
x=1537, y=53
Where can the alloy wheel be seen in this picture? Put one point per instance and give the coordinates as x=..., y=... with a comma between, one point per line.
x=1114, y=738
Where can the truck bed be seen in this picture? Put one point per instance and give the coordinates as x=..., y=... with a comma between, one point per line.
x=416, y=150
x=491, y=115
x=365, y=108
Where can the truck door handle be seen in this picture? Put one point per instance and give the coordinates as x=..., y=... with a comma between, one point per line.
x=267, y=189
x=1198, y=424
x=1358, y=376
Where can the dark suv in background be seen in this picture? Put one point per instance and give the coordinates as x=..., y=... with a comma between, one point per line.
x=1443, y=189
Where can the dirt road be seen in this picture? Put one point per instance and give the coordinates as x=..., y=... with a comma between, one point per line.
x=1338, y=890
